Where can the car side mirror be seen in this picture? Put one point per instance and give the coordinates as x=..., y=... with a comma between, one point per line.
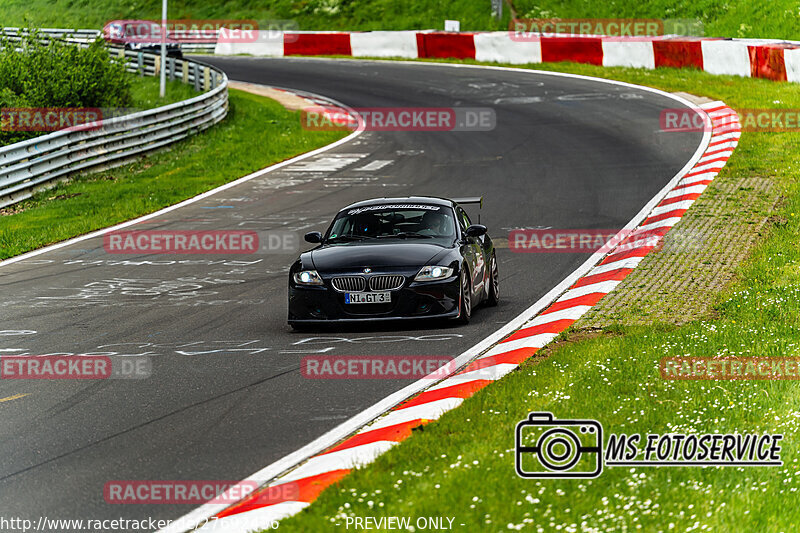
x=476, y=230
x=313, y=236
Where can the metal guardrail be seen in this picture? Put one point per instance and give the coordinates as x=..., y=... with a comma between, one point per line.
x=87, y=36
x=35, y=164
x=71, y=35
x=198, y=48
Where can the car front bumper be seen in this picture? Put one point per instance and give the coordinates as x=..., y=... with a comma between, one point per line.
x=415, y=300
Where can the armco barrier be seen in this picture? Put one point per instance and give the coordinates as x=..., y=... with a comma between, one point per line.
x=774, y=60
x=575, y=49
x=37, y=163
x=443, y=45
x=87, y=36
x=314, y=44
x=69, y=35
x=384, y=44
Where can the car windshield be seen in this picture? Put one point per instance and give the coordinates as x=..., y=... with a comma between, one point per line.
x=400, y=221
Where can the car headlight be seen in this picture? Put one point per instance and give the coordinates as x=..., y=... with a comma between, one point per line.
x=433, y=273
x=307, y=277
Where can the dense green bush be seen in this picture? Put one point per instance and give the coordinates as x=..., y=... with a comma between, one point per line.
x=58, y=74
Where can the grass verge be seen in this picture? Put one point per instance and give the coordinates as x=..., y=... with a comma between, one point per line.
x=256, y=133
x=741, y=18
x=776, y=19
x=144, y=92
x=306, y=14
x=462, y=466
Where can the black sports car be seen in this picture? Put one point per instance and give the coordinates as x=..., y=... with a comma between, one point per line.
x=395, y=258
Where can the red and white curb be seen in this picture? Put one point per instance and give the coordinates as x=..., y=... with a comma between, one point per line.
x=757, y=58
x=303, y=484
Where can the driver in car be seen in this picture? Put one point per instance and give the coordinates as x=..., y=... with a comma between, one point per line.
x=436, y=224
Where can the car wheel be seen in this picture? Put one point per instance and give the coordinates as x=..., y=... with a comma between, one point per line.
x=494, y=284
x=465, y=304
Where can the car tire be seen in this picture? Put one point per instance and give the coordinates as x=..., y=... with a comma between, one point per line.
x=493, y=294
x=465, y=300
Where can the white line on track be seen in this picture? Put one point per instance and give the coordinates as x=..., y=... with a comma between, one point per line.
x=374, y=165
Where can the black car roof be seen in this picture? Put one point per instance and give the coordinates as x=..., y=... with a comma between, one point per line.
x=431, y=200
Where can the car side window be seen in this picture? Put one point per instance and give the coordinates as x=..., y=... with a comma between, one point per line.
x=463, y=219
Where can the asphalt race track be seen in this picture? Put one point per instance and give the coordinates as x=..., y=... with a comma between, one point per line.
x=226, y=396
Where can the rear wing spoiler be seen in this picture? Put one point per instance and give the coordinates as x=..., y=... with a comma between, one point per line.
x=470, y=200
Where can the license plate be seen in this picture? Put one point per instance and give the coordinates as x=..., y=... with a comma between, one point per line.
x=367, y=297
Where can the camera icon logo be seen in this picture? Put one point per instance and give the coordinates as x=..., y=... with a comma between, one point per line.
x=550, y=448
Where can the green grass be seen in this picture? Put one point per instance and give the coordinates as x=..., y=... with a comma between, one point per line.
x=462, y=466
x=308, y=14
x=776, y=19
x=144, y=91
x=256, y=133
x=733, y=18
